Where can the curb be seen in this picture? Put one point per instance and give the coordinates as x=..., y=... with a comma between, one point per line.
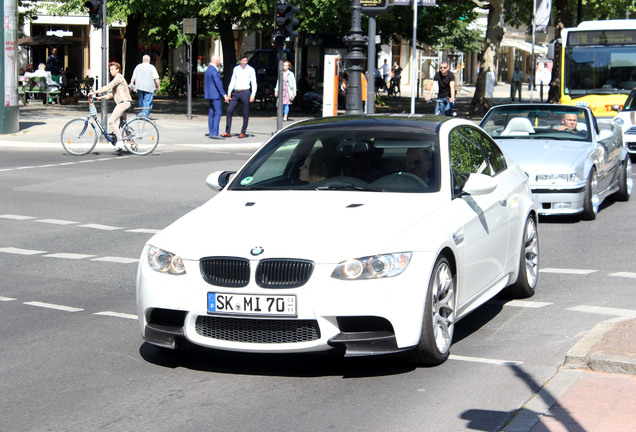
x=581, y=356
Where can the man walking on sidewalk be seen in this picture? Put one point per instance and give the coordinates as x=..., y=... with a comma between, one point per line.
x=213, y=91
x=242, y=89
x=146, y=79
x=515, y=86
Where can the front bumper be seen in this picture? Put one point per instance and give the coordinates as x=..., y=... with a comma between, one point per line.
x=366, y=317
x=558, y=201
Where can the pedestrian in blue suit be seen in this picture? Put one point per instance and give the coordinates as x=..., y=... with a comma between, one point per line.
x=214, y=92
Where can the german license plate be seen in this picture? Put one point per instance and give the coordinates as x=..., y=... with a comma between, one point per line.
x=252, y=304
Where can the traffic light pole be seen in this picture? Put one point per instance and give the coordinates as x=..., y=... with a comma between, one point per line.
x=104, y=63
x=280, y=46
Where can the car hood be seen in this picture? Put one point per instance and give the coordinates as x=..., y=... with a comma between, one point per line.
x=316, y=225
x=548, y=156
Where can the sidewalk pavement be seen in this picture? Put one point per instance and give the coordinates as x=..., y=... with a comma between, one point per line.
x=40, y=125
x=593, y=391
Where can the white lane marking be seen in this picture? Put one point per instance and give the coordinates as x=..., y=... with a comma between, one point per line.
x=604, y=310
x=46, y=166
x=64, y=255
x=7, y=299
x=56, y=221
x=53, y=306
x=101, y=227
x=485, y=360
x=117, y=315
x=143, y=230
x=567, y=271
x=522, y=303
x=16, y=217
x=67, y=163
x=19, y=251
x=625, y=275
x=120, y=260
x=24, y=167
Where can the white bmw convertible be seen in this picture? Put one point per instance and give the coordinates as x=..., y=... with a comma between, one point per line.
x=362, y=235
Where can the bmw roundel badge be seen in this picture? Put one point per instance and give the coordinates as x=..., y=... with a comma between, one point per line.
x=257, y=251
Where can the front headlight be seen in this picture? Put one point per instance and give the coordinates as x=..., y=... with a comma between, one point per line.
x=372, y=267
x=572, y=177
x=165, y=262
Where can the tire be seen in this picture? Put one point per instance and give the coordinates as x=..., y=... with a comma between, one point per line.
x=625, y=181
x=526, y=282
x=140, y=136
x=79, y=137
x=438, y=324
x=592, y=200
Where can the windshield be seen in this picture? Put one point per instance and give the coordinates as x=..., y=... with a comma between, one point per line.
x=331, y=157
x=599, y=70
x=539, y=122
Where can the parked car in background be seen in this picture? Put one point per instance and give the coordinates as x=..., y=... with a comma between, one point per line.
x=626, y=118
x=360, y=234
x=572, y=165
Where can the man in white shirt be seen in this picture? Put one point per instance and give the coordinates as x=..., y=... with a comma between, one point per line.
x=242, y=89
x=146, y=79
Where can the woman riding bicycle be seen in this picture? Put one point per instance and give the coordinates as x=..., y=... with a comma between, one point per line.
x=118, y=88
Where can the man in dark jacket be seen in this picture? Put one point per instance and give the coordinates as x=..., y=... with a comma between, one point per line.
x=213, y=91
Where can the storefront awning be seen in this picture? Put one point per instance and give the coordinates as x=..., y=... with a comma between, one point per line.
x=524, y=46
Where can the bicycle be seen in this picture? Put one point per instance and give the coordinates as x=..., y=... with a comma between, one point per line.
x=443, y=106
x=79, y=136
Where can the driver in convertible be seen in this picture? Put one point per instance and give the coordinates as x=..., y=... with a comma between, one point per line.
x=568, y=124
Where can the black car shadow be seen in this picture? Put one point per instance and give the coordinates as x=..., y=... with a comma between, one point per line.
x=280, y=365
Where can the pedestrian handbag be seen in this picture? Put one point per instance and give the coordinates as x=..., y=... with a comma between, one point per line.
x=292, y=96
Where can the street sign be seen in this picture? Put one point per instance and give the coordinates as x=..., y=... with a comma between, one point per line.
x=374, y=7
x=410, y=3
x=189, y=26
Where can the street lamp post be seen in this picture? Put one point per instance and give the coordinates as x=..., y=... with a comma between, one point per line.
x=356, y=42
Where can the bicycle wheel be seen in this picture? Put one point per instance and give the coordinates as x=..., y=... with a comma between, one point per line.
x=140, y=136
x=79, y=137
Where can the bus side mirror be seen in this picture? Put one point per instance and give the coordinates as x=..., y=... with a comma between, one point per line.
x=552, y=47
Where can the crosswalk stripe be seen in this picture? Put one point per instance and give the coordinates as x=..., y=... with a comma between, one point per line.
x=567, y=271
x=101, y=227
x=18, y=251
x=56, y=221
x=53, y=306
x=16, y=217
x=604, y=310
x=120, y=260
x=485, y=360
x=624, y=274
x=117, y=315
x=74, y=256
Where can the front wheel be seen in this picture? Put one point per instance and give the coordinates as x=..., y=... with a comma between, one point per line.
x=79, y=137
x=140, y=136
x=592, y=201
x=625, y=180
x=528, y=262
x=438, y=324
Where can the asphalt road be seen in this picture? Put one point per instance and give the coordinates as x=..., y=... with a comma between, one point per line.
x=72, y=358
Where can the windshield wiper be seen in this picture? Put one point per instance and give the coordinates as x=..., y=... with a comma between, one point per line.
x=348, y=187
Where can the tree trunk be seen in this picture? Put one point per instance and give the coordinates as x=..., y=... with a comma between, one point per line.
x=494, y=34
x=564, y=18
x=229, y=51
x=133, y=22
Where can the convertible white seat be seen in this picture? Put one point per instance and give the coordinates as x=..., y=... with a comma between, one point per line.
x=518, y=126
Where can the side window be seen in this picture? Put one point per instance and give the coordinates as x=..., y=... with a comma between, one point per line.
x=494, y=153
x=465, y=157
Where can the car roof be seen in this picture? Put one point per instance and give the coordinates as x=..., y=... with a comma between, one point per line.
x=402, y=122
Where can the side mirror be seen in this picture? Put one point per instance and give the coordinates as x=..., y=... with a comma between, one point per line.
x=616, y=108
x=219, y=179
x=479, y=184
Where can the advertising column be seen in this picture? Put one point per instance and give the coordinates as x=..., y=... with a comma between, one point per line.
x=9, y=116
x=330, y=86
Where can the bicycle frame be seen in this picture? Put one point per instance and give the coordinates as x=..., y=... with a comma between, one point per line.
x=92, y=114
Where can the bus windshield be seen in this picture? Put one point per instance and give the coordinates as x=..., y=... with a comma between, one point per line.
x=599, y=70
